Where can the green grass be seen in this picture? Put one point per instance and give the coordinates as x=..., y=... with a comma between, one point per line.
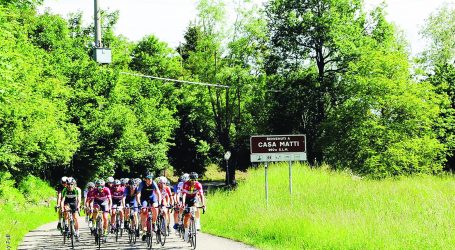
x=334, y=210
x=23, y=209
x=16, y=222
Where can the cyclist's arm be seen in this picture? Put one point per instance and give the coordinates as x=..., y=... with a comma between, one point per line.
x=78, y=201
x=59, y=197
x=158, y=195
x=203, y=199
x=110, y=203
x=183, y=199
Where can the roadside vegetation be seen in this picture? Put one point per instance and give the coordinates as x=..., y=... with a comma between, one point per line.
x=335, y=210
x=24, y=208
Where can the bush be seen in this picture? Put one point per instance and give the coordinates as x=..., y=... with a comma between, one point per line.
x=9, y=194
x=36, y=190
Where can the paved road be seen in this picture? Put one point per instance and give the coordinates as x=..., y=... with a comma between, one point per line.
x=48, y=237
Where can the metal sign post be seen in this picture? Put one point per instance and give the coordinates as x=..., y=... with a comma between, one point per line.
x=290, y=177
x=266, y=186
x=275, y=148
x=227, y=155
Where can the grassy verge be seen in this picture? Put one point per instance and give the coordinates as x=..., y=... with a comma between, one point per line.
x=332, y=210
x=22, y=209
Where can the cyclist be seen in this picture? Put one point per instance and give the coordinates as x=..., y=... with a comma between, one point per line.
x=148, y=196
x=88, y=206
x=110, y=183
x=124, y=182
x=71, y=199
x=131, y=202
x=191, y=190
x=59, y=199
x=118, y=202
x=165, y=197
x=102, y=200
x=178, y=199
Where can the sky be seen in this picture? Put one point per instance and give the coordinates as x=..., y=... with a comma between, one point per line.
x=168, y=19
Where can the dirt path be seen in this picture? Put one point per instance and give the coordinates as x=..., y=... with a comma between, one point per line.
x=48, y=237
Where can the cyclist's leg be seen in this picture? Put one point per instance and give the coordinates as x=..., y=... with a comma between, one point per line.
x=75, y=215
x=113, y=215
x=121, y=216
x=104, y=210
x=144, y=216
x=155, y=209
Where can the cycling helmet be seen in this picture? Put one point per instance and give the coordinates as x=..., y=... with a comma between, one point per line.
x=137, y=181
x=100, y=182
x=124, y=181
x=90, y=184
x=64, y=178
x=193, y=176
x=110, y=179
x=162, y=180
x=185, y=177
x=148, y=175
x=131, y=182
x=117, y=182
x=70, y=180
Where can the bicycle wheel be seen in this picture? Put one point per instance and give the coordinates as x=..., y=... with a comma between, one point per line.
x=99, y=230
x=72, y=232
x=163, y=230
x=64, y=231
x=192, y=233
x=149, y=234
x=117, y=225
x=158, y=230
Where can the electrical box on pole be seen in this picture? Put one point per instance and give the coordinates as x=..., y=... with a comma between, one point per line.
x=100, y=54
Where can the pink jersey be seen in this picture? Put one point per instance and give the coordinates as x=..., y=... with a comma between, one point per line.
x=118, y=194
x=192, y=190
x=102, y=195
x=91, y=194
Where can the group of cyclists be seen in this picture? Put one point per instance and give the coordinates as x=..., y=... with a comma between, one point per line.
x=136, y=196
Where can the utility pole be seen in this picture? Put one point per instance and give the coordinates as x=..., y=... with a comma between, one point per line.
x=97, y=17
x=100, y=54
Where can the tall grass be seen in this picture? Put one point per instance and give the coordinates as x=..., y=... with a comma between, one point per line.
x=23, y=209
x=334, y=210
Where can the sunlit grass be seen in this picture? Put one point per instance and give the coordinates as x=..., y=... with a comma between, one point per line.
x=333, y=210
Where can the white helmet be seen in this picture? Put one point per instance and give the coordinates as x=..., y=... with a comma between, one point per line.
x=64, y=178
x=185, y=177
x=110, y=179
x=162, y=180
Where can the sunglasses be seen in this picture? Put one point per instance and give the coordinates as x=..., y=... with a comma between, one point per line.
x=193, y=180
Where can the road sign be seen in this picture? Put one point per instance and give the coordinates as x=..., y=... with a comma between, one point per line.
x=277, y=144
x=267, y=148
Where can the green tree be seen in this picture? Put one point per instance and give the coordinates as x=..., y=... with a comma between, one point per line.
x=384, y=124
x=306, y=34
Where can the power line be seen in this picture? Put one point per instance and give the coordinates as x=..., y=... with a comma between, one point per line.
x=175, y=80
x=190, y=82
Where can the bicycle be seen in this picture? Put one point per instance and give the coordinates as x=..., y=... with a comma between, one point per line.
x=192, y=232
x=68, y=232
x=161, y=222
x=98, y=232
x=117, y=229
x=149, y=233
x=131, y=227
